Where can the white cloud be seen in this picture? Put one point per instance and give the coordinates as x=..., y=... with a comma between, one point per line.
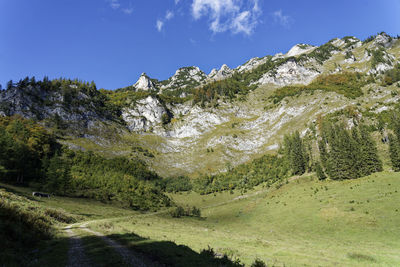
x=238, y=16
x=283, y=20
x=114, y=4
x=159, y=25
x=160, y=22
x=169, y=15
x=127, y=11
x=177, y=2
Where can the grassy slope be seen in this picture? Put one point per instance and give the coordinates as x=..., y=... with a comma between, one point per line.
x=343, y=223
x=194, y=159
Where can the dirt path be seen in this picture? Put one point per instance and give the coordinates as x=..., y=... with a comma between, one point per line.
x=76, y=253
x=127, y=255
x=78, y=258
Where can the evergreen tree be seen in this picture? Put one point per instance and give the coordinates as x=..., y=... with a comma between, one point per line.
x=295, y=153
x=10, y=84
x=319, y=171
x=349, y=154
x=394, y=151
x=369, y=159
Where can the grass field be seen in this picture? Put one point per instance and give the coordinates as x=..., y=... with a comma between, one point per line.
x=305, y=222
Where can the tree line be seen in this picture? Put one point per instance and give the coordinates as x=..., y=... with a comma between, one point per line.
x=30, y=155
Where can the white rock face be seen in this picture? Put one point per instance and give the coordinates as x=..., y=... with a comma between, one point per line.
x=146, y=113
x=289, y=73
x=383, y=39
x=380, y=68
x=299, y=49
x=251, y=64
x=222, y=73
x=196, y=122
x=338, y=42
x=144, y=83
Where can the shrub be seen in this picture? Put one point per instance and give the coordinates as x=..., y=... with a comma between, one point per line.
x=258, y=263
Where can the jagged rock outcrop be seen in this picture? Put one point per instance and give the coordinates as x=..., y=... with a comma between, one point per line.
x=299, y=49
x=223, y=73
x=185, y=77
x=144, y=114
x=33, y=102
x=383, y=39
x=251, y=64
x=291, y=72
x=144, y=83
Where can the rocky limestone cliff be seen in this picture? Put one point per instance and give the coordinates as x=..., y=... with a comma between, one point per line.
x=223, y=73
x=299, y=49
x=184, y=77
x=291, y=72
x=36, y=103
x=144, y=114
x=144, y=83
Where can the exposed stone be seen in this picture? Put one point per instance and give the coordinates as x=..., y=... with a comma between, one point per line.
x=290, y=72
x=144, y=83
x=299, y=49
x=223, y=73
x=144, y=114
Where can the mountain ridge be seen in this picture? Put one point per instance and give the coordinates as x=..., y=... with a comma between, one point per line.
x=183, y=117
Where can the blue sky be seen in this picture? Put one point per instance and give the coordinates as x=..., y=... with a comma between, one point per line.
x=113, y=41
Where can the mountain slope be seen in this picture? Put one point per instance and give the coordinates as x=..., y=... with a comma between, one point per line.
x=194, y=123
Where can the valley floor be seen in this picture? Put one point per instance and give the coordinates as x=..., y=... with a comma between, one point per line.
x=305, y=222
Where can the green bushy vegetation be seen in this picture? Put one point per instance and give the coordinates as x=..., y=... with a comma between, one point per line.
x=24, y=225
x=29, y=154
x=348, y=84
x=23, y=146
x=391, y=76
x=378, y=56
x=320, y=54
x=179, y=211
x=118, y=180
x=268, y=168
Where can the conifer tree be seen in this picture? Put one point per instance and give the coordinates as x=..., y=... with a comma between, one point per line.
x=319, y=171
x=394, y=151
x=369, y=159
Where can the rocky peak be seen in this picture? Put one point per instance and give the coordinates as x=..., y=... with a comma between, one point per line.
x=184, y=77
x=290, y=72
x=299, y=49
x=220, y=74
x=383, y=39
x=144, y=83
x=251, y=64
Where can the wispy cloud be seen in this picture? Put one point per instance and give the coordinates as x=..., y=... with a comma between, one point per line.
x=160, y=22
x=169, y=15
x=116, y=5
x=177, y=2
x=159, y=25
x=237, y=16
x=127, y=11
x=282, y=19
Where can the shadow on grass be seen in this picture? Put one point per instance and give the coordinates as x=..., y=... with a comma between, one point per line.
x=170, y=254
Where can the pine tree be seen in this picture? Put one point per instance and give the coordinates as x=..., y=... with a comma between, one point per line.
x=369, y=158
x=319, y=171
x=394, y=151
x=295, y=153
